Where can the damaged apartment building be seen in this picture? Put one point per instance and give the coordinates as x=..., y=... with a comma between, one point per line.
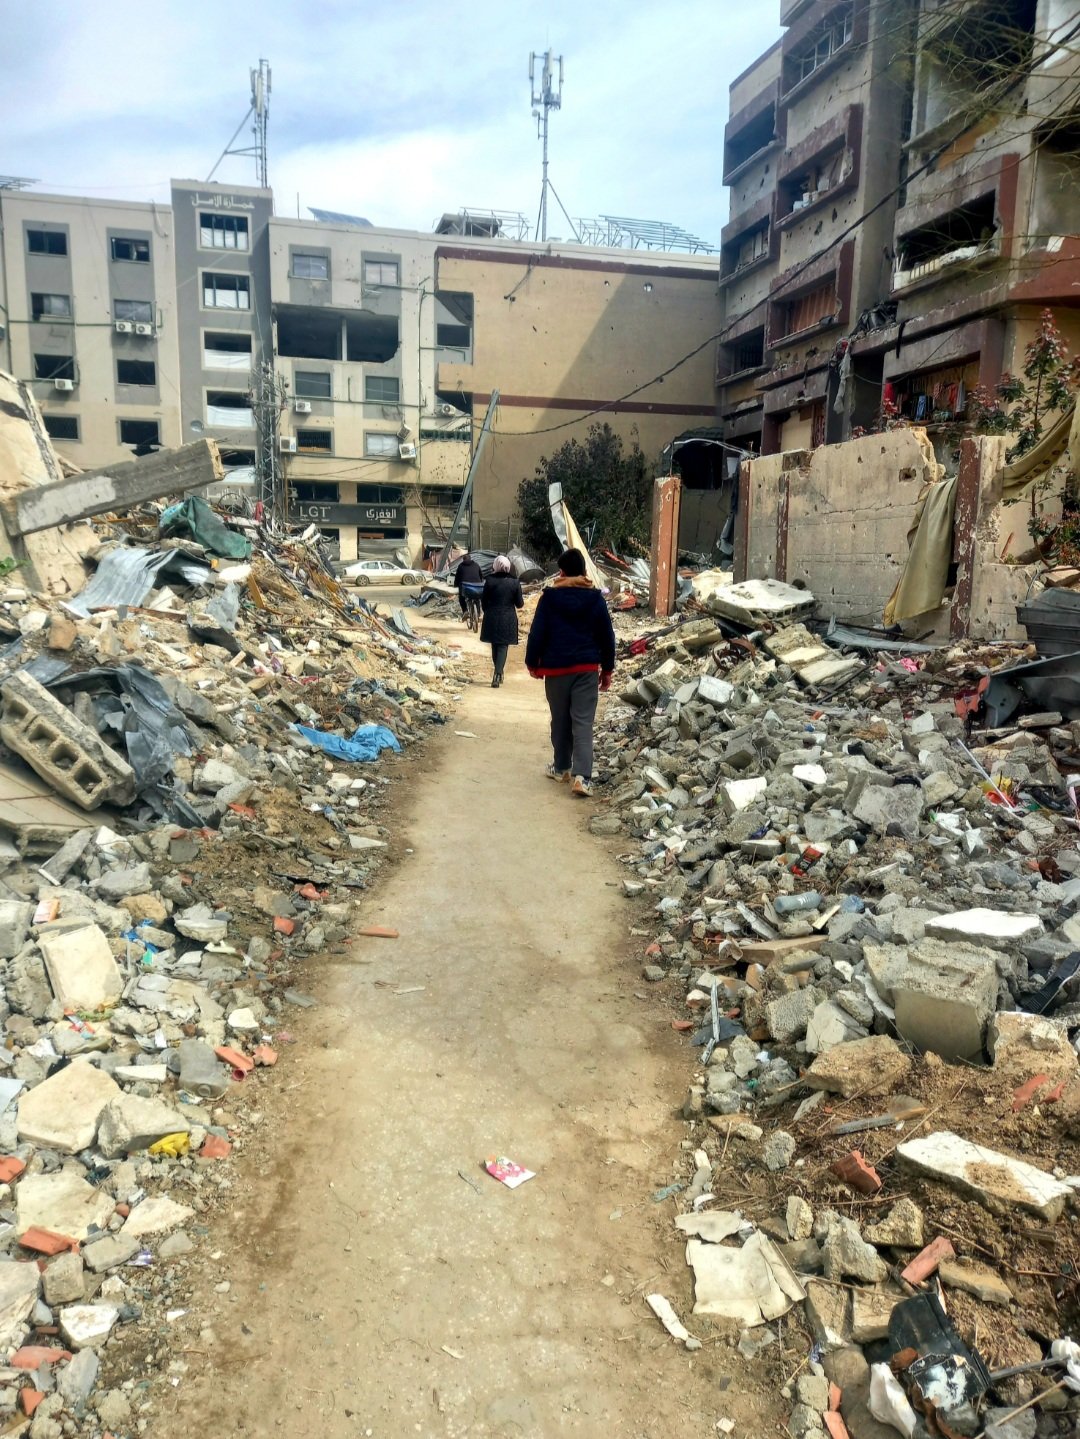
x=140, y=325
x=903, y=208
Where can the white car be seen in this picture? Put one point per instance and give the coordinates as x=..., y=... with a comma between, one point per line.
x=381, y=572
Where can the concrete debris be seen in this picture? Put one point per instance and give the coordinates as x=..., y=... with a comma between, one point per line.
x=178, y=836
x=887, y=933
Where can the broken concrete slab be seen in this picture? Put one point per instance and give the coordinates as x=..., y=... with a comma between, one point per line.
x=70, y=755
x=996, y=1180
x=87, y=1326
x=155, y=1215
x=830, y=1026
x=902, y=1227
x=130, y=1124
x=81, y=968
x=739, y=794
x=62, y=1113
x=976, y=1279
x=62, y=1202
x=944, y=997
x=891, y=811
x=874, y=1065
x=847, y=1255
x=63, y=1281
x=1022, y=1044
x=828, y=1313
x=985, y=926
x=19, y=1283
x=107, y=1253
x=870, y=1313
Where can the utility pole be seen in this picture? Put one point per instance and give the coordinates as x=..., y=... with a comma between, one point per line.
x=545, y=98
x=268, y=399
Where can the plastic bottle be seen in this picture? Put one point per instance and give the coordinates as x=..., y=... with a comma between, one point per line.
x=198, y=1069
x=793, y=903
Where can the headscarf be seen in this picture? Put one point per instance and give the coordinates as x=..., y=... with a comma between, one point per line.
x=501, y=565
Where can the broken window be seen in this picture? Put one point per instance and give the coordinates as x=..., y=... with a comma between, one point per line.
x=1057, y=175
x=748, y=249
x=50, y=307
x=226, y=292
x=325, y=494
x=745, y=353
x=61, y=427
x=230, y=408
x=128, y=249
x=989, y=43
x=382, y=389
x=315, y=441
x=136, y=372
x=310, y=267
x=139, y=311
x=309, y=334
x=453, y=337
x=371, y=339
x=312, y=384
x=226, y=350
x=47, y=242
x=54, y=367
x=140, y=432
x=754, y=136
x=807, y=310
x=384, y=445
x=834, y=32
x=223, y=232
x=380, y=272
x=380, y=494
x=236, y=459
x=962, y=234
x=815, y=182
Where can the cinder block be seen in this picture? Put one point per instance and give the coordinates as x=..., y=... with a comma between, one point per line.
x=60, y=748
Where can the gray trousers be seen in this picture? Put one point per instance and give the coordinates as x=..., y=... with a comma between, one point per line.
x=572, y=701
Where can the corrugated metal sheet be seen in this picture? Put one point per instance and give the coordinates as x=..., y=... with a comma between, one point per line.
x=126, y=576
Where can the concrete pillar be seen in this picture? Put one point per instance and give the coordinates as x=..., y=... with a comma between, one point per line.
x=667, y=491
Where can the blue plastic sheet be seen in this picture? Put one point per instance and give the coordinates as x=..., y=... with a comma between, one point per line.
x=367, y=743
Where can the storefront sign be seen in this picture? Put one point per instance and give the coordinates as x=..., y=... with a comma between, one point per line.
x=314, y=512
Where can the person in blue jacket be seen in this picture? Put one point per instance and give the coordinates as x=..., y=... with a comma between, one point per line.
x=571, y=647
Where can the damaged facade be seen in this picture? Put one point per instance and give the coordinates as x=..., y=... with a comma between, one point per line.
x=389, y=344
x=903, y=207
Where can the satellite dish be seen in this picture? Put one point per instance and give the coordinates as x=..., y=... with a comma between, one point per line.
x=197, y=426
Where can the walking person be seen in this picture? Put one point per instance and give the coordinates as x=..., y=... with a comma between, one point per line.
x=571, y=647
x=500, y=601
x=469, y=582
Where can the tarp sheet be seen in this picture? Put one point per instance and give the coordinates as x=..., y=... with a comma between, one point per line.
x=366, y=743
x=921, y=587
x=195, y=518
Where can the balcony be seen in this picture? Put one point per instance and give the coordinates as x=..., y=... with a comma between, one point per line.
x=969, y=235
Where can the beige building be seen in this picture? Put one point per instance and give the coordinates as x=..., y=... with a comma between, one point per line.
x=88, y=292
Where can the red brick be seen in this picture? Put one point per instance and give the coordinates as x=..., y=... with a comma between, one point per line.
x=10, y=1168
x=378, y=931
x=928, y=1259
x=47, y=1241
x=234, y=1058
x=264, y=1055
x=32, y=1356
x=29, y=1399
x=835, y=1425
x=855, y=1172
x=214, y=1147
x=1027, y=1091
x=283, y=925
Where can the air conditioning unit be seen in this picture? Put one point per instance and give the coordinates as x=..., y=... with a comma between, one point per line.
x=447, y=410
x=123, y=327
x=407, y=451
x=144, y=329
x=66, y=385
x=287, y=444
x=301, y=407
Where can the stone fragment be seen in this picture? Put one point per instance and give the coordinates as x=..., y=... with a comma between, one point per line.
x=15, y=919
x=828, y=1313
x=62, y=1112
x=199, y=923
x=740, y=794
x=87, y=1326
x=778, y=1151
x=62, y=1282
x=155, y=1215
x=799, y=1218
x=848, y=1256
x=874, y=1065
x=895, y=810
x=944, y=997
x=113, y=1409
x=902, y=1227
x=829, y=1026
x=107, y=1253
x=81, y=968
x=870, y=1311
x=984, y=926
x=996, y=1180
x=62, y=1202
x=175, y=1246
x=18, y=1293
x=78, y=1378
x=978, y=1279
x=129, y=1124
x=116, y=884
x=788, y=1015
x=1021, y=1045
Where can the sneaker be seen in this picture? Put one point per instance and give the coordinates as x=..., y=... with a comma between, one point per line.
x=562, y=775
x=581, y=786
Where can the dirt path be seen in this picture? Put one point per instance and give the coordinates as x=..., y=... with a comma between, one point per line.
x=381, y=1283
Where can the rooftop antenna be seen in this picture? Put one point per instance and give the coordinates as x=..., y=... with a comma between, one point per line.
x=545, y=98
x=258, y=113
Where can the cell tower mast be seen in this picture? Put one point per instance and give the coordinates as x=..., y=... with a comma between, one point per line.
x=258, y=113
x=545, y=98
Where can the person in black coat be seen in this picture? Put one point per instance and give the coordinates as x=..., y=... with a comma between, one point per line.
x=571, y=647
x=468, y=580
x=501, y=600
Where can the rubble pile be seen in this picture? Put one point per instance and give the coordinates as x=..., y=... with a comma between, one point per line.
x=866, y=916
x=186, y=821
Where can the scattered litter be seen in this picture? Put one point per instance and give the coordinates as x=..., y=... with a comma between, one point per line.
x=506, y=1171
x=661, y=1307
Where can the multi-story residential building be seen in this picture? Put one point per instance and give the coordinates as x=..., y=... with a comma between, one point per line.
x=903, y=206
x=985, y=234
x=387, y=345
x=88, y=315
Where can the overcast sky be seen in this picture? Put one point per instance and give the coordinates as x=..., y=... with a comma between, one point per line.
x=397, y=111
